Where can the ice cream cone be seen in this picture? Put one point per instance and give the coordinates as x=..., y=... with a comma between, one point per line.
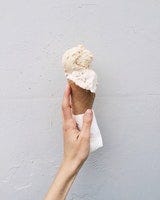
x=81, y=99
x=83, y=82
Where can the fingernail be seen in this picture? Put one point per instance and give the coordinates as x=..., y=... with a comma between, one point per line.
x=89, y=111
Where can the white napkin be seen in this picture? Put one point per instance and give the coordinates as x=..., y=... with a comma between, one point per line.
x=96, y=138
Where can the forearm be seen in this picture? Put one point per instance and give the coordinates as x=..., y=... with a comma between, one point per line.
x=62, y=182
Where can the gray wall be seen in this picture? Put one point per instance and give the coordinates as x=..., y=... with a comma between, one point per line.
x=124, y=36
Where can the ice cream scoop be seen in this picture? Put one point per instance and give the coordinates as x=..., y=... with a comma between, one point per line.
x=83, y=82
x=76, y=58
x=77, y=67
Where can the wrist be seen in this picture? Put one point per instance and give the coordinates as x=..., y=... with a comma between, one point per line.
x=71, y=167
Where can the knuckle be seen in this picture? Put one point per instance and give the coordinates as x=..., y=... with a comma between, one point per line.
x=87, y=125
x=67, y=125
x=63, y=106
x=65, y=128
x=87, y=120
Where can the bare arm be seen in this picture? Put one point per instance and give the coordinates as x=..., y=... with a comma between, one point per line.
x=76, y=150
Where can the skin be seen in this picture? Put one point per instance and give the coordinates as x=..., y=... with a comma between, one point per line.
x=76, y=149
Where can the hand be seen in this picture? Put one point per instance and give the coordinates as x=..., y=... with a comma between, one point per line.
x=76, y=142
x=76, y=149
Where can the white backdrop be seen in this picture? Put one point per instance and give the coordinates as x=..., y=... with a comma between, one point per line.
x=124, y=36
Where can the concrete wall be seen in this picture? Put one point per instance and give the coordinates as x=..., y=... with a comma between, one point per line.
x=124, y=36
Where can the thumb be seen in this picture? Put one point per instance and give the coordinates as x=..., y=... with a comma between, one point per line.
x=87, y=121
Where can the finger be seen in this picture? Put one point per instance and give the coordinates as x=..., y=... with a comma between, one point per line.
x=87, y=121
x=66, y=107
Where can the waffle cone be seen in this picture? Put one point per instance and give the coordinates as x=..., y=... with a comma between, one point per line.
x=81, y=99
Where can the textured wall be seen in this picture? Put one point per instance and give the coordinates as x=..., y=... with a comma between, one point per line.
x=125, y=38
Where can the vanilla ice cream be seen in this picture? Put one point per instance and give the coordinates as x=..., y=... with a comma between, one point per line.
x=76, y=58
x=77, y=67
